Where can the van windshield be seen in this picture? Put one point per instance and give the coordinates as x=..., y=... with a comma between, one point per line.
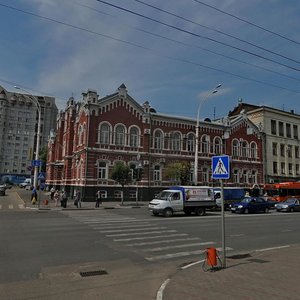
x=164, y=195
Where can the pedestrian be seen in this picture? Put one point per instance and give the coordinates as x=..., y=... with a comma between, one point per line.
x=52, y=191
x=56, y=197
x=98, y=198
x=64, y=199
x=77, y=201
x=33, y=196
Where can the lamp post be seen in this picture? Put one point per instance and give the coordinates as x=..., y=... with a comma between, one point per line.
x=211, y=92
x=37, y=148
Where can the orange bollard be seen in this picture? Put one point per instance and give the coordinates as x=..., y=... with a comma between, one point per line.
x=211, y=256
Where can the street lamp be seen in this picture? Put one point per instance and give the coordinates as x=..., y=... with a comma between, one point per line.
x=37, y=148
x=213, y=91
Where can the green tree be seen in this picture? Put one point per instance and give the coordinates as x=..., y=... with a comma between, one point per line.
x=121, y=174
x=179, y=172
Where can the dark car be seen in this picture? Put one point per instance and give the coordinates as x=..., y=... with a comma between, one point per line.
x=250, y=205
x=289, y=205
x=2, y=191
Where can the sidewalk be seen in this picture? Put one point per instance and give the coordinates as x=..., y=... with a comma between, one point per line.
x=47, y=203
x=270, y=274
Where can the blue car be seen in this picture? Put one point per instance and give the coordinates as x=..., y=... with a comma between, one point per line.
x=250, y=205
x=289, y=205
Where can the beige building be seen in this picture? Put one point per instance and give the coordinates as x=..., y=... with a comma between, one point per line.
x=18, y=129
x=281, y=140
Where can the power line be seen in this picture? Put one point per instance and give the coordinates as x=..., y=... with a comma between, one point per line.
x=145, y=48
x=192, y=46
x=218, y=31
x=197, y=35
x=248, y=22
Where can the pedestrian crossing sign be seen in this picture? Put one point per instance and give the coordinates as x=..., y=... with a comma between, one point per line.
x=220, y=167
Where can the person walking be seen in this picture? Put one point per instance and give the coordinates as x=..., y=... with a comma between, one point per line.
x=56, y=197
x=52, y=191
x=98, y=198
x=64, y=199
x=77, y=201
x=33, y=196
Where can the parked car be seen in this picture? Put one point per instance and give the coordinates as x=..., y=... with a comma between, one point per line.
x=250, y=205
x=6, y=185
x=289, y=205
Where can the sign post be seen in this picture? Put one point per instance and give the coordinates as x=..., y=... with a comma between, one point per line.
x=221, y=170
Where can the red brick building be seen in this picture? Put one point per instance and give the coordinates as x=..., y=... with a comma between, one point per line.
x=93, y=134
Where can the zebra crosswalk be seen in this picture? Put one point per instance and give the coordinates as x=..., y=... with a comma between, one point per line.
x=12, y=206
x=154, y=242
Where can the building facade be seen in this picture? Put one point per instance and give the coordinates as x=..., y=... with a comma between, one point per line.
x=94, y=133
x=18, y=130
x=281, y=140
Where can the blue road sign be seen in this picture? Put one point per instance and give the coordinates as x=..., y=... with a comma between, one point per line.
x=36, y=163
x=220, y=167
x=41, y=176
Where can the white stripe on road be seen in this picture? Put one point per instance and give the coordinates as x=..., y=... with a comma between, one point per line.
x=139, y=233
x=21, y=206
x=103, y=220
x=177, y=246
x=162, y=242
x=273, y=248
x=150, y=237
x=180, y=254
x=134, y=229
x=109, y=226
x=0, y=206
x=10, y=206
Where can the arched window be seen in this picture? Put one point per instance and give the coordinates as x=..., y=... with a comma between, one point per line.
x=253, y=177
x=175, y=141
x=104, y=134
x=120, y=135
x=245, y=149
x=102, y=170
x=235, y=148
x=158, y=140
x=236, y=178
x=205, y=144
x=191, y=142
x=157, y=173
x=133, y=137
x=217, y=145
x=80, y=135
x=253, y=150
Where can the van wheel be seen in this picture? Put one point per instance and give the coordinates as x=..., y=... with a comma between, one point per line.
x=200, y=211
x=168, y=212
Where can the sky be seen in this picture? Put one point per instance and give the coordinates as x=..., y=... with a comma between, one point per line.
x=172, y=53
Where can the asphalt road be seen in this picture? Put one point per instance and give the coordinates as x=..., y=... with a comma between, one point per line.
x=43, y=252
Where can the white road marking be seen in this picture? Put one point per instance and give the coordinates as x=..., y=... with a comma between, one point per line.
x=109, y=226
x=150, y=237
x=10, y=206
x=160, y=292
x=21, y=206
x=140, y=233
x=0, y=206
x=236, y=235
x=134, y=229
x=192, y=264
x=178, y=246
x=162, y=242
x=273, y=248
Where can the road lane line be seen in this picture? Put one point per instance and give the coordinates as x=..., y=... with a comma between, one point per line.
x=150, y=237
x=160, y=292
x=10, y=206
x=109, y=226
x=140, y=233
x=162, y=242
x=177, y=246
x=128, y=230
x=272, y=248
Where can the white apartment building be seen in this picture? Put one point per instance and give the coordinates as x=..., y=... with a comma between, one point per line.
x=281, y=141
x=18, y=130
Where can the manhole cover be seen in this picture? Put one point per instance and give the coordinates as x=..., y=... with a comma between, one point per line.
x=93, y=273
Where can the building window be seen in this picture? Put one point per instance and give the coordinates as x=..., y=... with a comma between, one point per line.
x=157, y=173
x=275, y=167
x=273, y=127
x=217, y=146
x=245, y=149
x=282, y=166
x=175, y=141
x=133, y=137
x=120, y=136
x=205, y=144
x=295, y=131
x=118, y=194
x=205, y=175
x=296, y=151
x=191, y=142
x=281, y=129
x=104, y=134
x=290, y=169
x=289, y=150
x=288, y=130
x=253, y=150
x=282, y=147
x=235, y=148
x=102, y=170
x=297, y=169
x=158, y=140
x=274, y=149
